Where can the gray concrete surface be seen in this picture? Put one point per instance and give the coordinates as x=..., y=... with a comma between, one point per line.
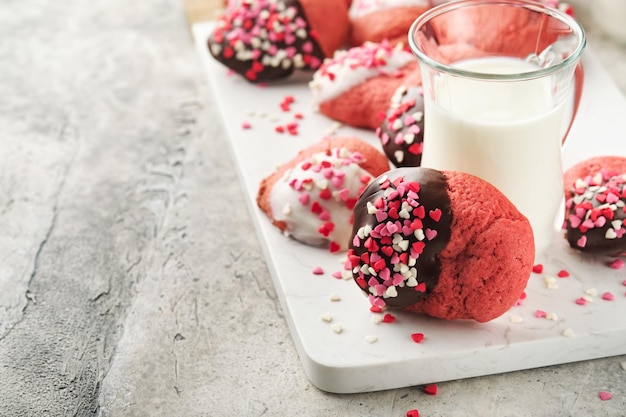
x=131, y=281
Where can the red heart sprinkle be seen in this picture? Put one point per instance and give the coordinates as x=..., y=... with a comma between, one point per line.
x=538, y=269
x=412, y=413
x=605, y=395
x=563, y=274
x=435, y=214
x=421, y=287
x=417, y=337
x=388, y=318
x=334, y=247
x=431, y=389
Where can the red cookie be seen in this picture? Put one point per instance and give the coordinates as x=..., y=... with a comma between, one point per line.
x=376, y=21
x=311, y=197
x=266, y=40
x=595, y=191
x=355, y=86
x=443, y=243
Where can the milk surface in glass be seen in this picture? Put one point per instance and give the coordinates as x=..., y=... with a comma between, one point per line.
x=508, y=133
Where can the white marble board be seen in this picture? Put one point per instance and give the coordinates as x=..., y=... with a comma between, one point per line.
x=345, y=362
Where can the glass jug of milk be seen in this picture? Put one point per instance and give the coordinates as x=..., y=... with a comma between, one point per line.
x=498, y=83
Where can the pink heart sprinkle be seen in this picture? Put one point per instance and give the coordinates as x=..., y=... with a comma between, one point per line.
x=574, y=221
x=304, y=199
x=430, y=234
x=617, y=264
x=540, y=314
x=605, y=395
x=318, y=270
x=582, y=242
x=343, y=194
x=581, y=301
x=608, y=296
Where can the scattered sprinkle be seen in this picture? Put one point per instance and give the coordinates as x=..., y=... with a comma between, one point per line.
x=246, y=125
x=326, y=317
x=417, y=337
x=371, y=338
x=581, y=301
x=431, y=389
x=592, y=292
x=605, y=395
x=617, y=264
x=552, y=316
x=550, y=282
x=318, y=270
x=388, y=318
x=608, y=296
x=562, y=274
x=337, y=328
x=338, y=274
x=568, y=333
x=515, y=318
x=334, y=297
x=377, y=318
x=540, y=314
x=413, y=413
x=538, y=269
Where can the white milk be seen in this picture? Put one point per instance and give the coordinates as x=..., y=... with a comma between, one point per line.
x=514, y=144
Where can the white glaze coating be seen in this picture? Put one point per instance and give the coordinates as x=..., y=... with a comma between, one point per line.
x=292, y=198
x=351, y=67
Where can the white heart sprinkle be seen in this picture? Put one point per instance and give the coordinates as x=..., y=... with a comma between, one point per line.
x=371, y=339
x=337, y=328
x=568, y=333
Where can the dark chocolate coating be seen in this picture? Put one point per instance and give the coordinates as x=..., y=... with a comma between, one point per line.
x=433, y=197
x=408, y=103
x=254, y=69
x=591, y=213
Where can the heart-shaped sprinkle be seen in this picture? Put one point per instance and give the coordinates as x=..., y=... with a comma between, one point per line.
x=435, y=214
x=538, y=269
x=413, y=413
x=417, y=337
x=388, y=318
x=430, y=389
x=430, y=234
x=605, y=395
x=562, y=274
x=608, y=296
